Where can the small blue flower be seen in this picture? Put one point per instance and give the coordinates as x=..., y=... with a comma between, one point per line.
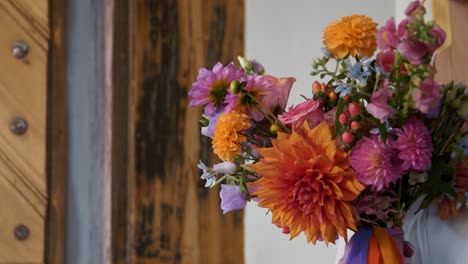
x=326, y=52
x=342, y=89
x=206, y=175
x=464, y=145
x=358, y=71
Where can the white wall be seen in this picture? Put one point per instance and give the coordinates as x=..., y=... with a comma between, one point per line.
x=285, y=35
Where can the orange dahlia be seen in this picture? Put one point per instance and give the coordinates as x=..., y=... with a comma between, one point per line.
x=351, y=35
x=308, y=184
x=227, y=137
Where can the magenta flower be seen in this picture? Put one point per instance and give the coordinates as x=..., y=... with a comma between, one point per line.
x=413, y=51
x=310, y=111
x=279, y=93
x=413, y=6
x=231, y=198
x=402, y=31
x=415, y=145
x=212, y=86
x=439, y=35
x=427, y=96
x=378, y=106
x=270, y=92
x=376, y=163
x=387, y=35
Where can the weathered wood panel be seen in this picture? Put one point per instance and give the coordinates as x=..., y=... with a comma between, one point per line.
x=172, y=217
x=23, y=90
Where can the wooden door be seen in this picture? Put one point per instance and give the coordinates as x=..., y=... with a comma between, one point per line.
x=24, y=34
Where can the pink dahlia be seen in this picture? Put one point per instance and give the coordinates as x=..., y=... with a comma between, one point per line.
x=310, y=111
x=376, y=163
x=415, y=145
x=212, y=86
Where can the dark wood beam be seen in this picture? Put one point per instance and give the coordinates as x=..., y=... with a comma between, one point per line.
x=57, y=136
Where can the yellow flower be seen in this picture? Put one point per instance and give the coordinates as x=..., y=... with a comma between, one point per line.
x=308, y=184
x=226, y=137
x=351, y=35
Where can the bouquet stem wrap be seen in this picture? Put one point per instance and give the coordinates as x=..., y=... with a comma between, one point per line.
x=375, y=245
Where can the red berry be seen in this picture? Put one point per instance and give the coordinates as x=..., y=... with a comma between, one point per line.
x=286, y=230
x=347, y=137
x=343, y=118
x=354, y=109
x=355, y=125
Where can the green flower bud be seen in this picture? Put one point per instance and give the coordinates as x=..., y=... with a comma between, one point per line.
x=460, y=88
x=235, y=87
x=463, y=110
x=450, y=96
x=245, y=63
x=204, y=121
x=456, y=103
x=274, y=128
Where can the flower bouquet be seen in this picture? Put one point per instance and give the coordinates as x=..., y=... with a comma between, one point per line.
x=376, y=135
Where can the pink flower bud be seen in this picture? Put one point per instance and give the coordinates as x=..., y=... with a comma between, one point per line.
x=355, y=125
x=343, y=118
x=354, y=109
x=347, y=137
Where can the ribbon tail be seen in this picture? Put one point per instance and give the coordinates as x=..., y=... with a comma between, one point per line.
x=388, y=249
x=359, y=246
x=374, y=256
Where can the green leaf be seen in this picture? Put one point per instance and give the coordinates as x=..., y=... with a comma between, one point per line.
x=339, y=110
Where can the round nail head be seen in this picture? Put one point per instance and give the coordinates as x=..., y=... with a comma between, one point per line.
x=21, y=232
x=19, y=126
x=20, y=49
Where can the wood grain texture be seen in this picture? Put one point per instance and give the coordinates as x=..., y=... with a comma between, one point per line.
x=452, y=63
x=172, y=217
x=23, y=91
x=57, y=136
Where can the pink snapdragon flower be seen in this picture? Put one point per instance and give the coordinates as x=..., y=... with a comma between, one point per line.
x=376, y=163
x=415, y=145
x=387, y=35
x=310, y=111
x=279, y=93
x=439, y=38
x=386, y=59
x=378, y=106
x=413, y=6
x=427, y=96
x=413, y=51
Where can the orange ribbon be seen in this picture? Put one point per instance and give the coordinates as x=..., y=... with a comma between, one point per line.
x=388, y=249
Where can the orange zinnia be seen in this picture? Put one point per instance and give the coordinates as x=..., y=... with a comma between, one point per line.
x=308, y=183
x=226, y=137
x=351, y=35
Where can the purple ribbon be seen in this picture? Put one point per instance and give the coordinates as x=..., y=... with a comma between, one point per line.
x=359, y=246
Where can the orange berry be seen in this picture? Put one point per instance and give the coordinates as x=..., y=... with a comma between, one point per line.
x=316, y=88
x=332, y=95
